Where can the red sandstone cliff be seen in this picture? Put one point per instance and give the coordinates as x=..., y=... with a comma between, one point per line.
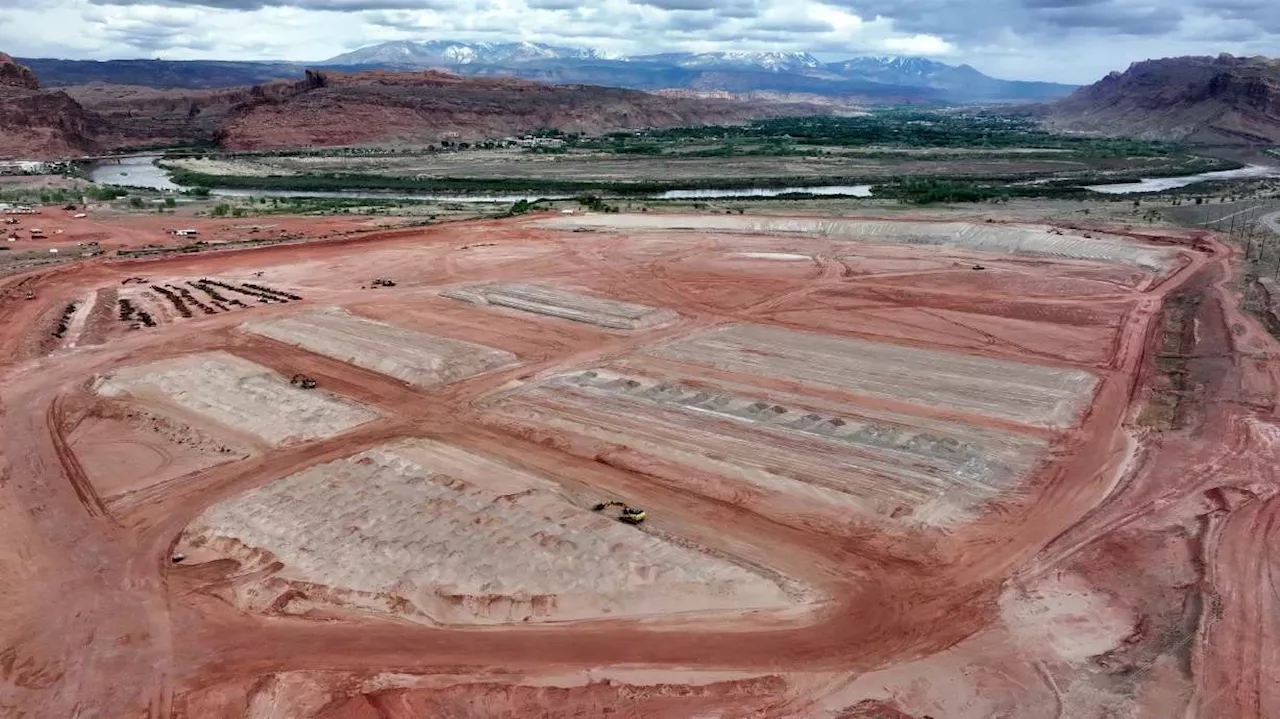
x=1198, y=99
x=40, y=125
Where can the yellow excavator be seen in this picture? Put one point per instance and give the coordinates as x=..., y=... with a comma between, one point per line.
x=628, y=515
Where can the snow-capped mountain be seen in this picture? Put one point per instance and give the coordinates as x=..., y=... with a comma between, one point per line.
x=912, y=71
x=961, y=81
x=450, y=53
x=769, y=61
x=893, y=78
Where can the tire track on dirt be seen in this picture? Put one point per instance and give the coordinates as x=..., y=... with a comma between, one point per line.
x=71, y=466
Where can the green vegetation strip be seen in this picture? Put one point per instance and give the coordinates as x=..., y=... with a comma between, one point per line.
x=338, y=182
x=890, y=128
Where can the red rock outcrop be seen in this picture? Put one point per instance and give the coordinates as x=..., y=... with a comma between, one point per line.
x=144, y=116
x=383, y=108
x=40, y=125
x=425, y=107
x=1199, y=99
x=14, y=75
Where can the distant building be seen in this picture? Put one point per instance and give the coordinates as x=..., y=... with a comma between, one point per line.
x=24, y=167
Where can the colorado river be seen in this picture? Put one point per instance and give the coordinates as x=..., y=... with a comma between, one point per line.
x=1160, y=184
x=141, y=171
x=850, y=190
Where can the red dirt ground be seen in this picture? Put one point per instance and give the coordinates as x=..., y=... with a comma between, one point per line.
x=121, y=231
x=1129, y=576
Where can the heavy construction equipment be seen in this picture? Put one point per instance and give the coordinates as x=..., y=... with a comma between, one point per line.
x=303, y=381
x=626, y=515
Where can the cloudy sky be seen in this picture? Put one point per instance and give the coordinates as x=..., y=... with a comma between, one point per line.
x=1063, y=40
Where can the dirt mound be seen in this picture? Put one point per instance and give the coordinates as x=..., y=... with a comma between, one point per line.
x=1204, y=99
x=426, y=107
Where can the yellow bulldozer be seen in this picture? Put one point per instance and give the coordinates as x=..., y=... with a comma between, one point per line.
x=303, y=381
x=627, y=515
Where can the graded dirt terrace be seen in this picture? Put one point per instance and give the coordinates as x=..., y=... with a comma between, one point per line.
x=231, y=392
x=774, y=454
x=557, y=302
x=417, y=358
x=878, y=480
x=446, y=536
x=1027, y=393
x=999, y=238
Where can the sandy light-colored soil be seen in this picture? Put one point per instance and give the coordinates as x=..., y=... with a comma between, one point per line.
x=558, y=302
x=879, y=482
x=447, y=536
x=415, y=357
x=232, y=392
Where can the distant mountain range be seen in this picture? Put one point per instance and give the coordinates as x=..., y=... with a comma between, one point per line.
x=445, y=52
x=902, y=78
x=796, y=74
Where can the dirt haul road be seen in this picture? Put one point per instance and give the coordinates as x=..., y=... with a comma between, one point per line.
x=1056, y=506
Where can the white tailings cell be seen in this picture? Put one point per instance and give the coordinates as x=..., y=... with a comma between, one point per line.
x=567, y=304
x=1006, y=239
x=781, y=453
x=421, y=359
x=1018, y=391
x=433, y=532
x=240, y=395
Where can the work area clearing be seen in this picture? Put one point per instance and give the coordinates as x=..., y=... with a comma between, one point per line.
x=836, y=444
x=426, y=531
